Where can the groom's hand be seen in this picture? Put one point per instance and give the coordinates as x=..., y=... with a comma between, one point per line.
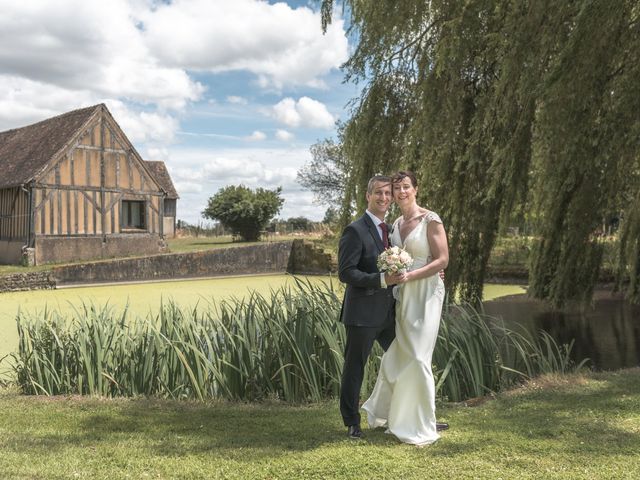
x=392, y=278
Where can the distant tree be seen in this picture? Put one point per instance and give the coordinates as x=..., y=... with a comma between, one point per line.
x=331, y=216
x=244, y=211
x=332, y=177
x=299, y=224
x=326, y=174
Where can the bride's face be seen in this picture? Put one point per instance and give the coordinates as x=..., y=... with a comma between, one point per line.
x=404, y=193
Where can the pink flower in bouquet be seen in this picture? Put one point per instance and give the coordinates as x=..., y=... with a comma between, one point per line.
x=394, y=260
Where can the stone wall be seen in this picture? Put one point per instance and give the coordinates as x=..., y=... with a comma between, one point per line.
x=16, y=282
x=297, y=257
x=307, y=259
x=266, y=258
x=61, y=249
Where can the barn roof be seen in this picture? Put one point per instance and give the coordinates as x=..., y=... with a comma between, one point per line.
x=161, y=174
x=25, y=151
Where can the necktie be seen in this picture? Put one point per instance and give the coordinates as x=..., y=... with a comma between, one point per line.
x=385, y=234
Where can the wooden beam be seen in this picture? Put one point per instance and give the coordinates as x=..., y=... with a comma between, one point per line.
x=92, y=199
x=97, y=149
x=60, y=212
x=103, y=216
x=96, y=189
x=113, y=202
x=72, y=166
x=45, y=197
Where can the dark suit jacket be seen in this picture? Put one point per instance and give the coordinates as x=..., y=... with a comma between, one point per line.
x=366, y=303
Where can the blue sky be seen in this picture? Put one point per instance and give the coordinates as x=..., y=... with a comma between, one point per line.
x=224, y=91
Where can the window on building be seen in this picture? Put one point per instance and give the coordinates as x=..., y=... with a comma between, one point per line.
x=170, y=207
x=133, y=214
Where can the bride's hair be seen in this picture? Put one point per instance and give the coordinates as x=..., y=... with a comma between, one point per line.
x=402, y=174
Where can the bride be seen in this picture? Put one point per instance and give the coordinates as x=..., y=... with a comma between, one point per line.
x=403, y=398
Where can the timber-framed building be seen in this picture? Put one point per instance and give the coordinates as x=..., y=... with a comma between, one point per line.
x=73, y=187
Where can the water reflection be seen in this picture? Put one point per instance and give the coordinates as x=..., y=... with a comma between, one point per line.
x=607, y=332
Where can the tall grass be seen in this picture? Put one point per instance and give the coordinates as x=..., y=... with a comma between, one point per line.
x=287, y=345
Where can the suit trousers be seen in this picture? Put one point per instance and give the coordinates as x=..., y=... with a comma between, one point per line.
x=357, y=350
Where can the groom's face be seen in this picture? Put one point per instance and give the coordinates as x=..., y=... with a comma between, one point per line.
x=379, y=199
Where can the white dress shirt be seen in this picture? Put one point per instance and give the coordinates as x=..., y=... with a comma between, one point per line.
x=376, y=221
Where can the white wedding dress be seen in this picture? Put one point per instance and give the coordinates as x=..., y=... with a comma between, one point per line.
x=403, y=398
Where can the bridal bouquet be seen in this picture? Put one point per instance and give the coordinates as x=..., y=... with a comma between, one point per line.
x=394, y=260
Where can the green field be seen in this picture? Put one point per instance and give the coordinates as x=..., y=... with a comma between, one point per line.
x=145, y=298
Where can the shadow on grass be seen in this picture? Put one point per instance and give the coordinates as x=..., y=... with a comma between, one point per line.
x=596, y=419
x=228, y=242
x=177, y=428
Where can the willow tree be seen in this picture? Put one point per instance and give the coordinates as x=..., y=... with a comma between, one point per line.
x=503, y=107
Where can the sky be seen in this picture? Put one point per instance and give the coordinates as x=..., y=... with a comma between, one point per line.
x=225, y=92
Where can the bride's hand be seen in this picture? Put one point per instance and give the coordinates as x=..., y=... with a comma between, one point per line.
x=402, y=277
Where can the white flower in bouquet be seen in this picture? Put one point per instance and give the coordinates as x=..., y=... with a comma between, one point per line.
x=394, y=260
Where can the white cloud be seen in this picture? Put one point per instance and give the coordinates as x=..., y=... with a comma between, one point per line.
x=306, y=112
x=24, y=101
x=199, y=174
x=142, y=127
x=284, y=135
x=235, y=99
x=184, y=188
x=157, y=153
x=79, y=46
x=279, y=44
x=256, y=136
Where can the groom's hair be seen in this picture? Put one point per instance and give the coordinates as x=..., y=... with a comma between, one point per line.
x=377, y=178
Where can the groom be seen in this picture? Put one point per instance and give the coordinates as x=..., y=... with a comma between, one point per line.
x=368, y=307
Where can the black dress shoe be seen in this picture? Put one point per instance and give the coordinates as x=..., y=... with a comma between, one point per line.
x=440, y=426
x=355, y=432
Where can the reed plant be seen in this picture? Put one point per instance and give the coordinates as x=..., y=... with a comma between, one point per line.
x=286, y=345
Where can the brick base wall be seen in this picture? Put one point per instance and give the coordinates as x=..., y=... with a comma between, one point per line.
x=267, y=258
x=52, y=249
x=296, y=257
x=11, y=251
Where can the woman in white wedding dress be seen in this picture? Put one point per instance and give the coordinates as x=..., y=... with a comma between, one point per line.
x=403, y=398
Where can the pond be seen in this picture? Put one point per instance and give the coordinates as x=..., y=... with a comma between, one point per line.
x=145, y=298
x=608, y=332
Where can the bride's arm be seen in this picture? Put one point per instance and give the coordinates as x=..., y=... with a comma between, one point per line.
x=437, y=238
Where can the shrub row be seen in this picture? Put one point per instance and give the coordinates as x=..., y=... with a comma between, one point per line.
x=286, y=345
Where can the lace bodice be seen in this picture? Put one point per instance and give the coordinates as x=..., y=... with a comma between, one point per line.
x=416, y=242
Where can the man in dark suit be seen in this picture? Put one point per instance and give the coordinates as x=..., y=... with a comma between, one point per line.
x=368, y=306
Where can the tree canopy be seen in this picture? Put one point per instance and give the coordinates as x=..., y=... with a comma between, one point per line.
x=502, y=109
x=327, y=174
x=244, y=211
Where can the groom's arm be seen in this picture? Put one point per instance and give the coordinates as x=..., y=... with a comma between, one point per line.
x=349, y=256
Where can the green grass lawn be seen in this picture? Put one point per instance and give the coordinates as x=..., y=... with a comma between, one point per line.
x=191, y=244
x=581, y=426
